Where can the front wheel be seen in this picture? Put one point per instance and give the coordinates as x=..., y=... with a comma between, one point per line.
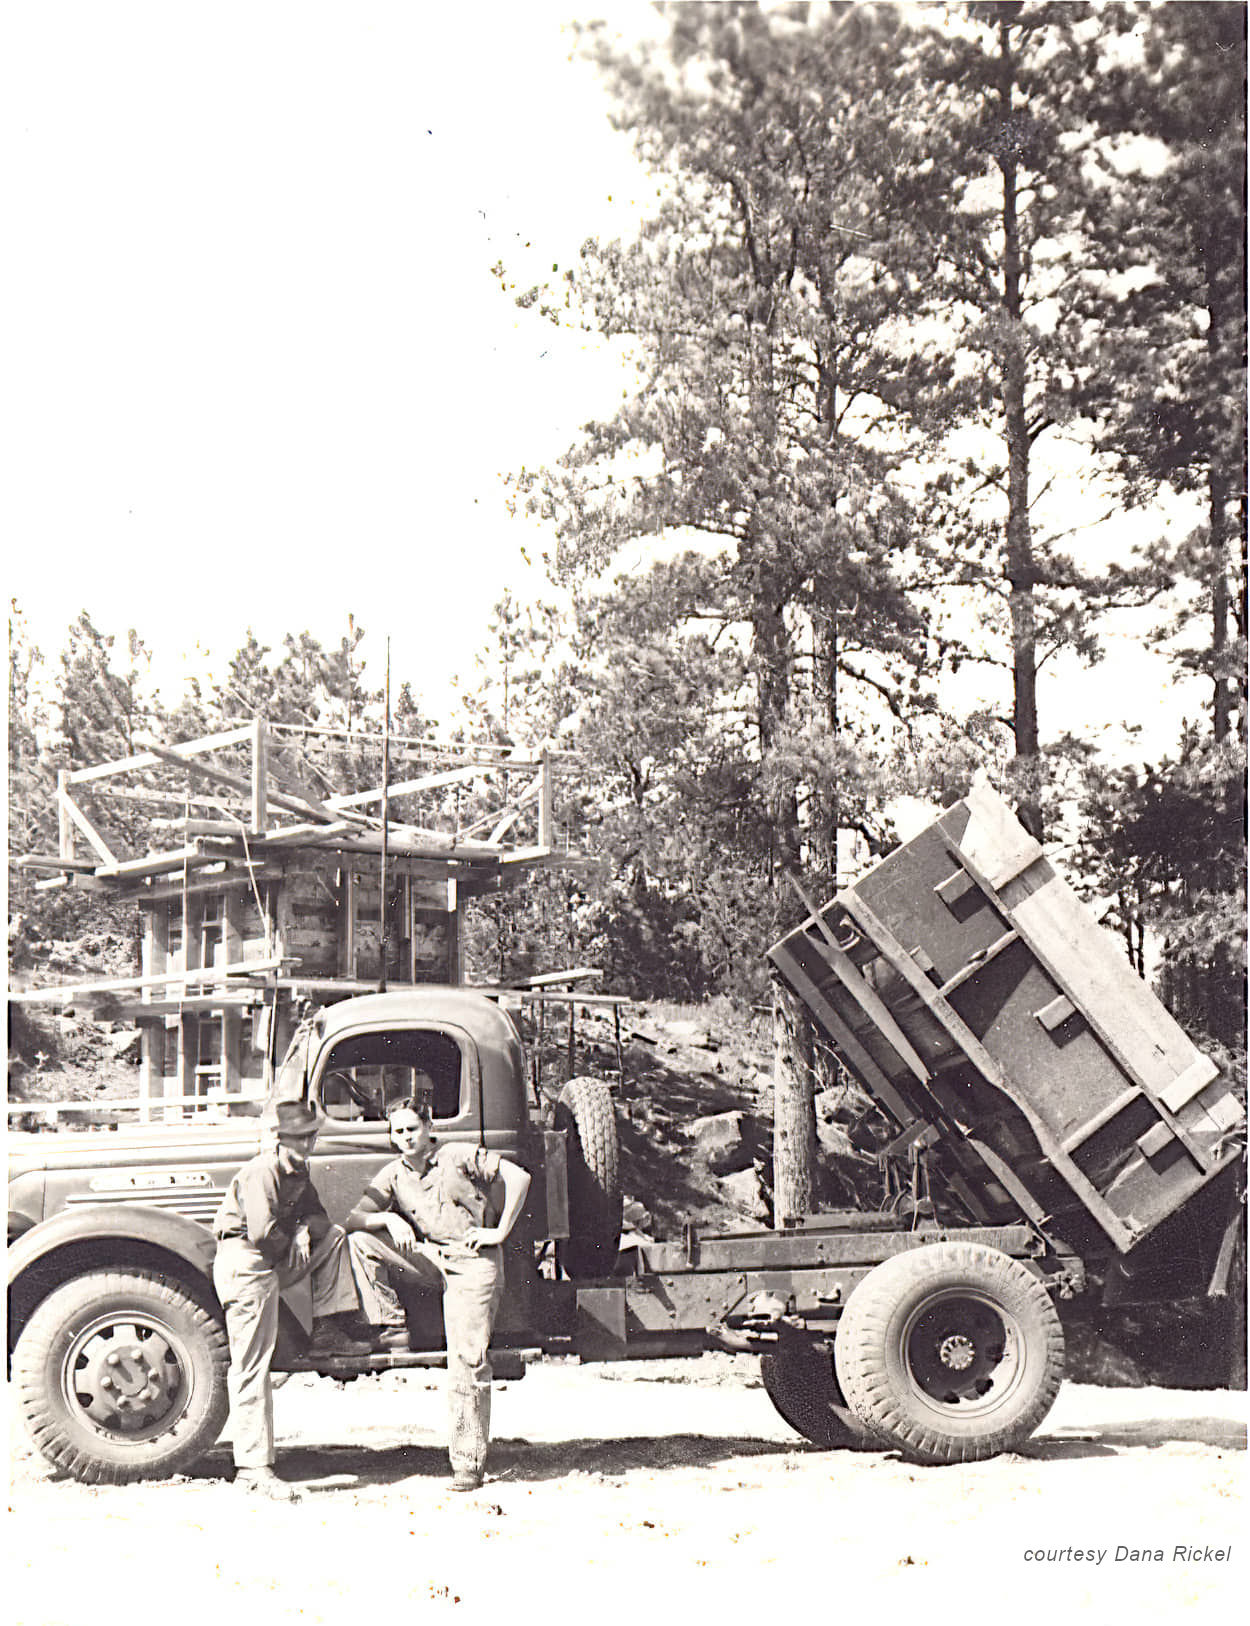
x=121, y=1375
x=951, y=1352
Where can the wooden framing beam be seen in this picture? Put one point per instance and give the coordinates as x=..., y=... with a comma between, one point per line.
x=546, y=805
x=192, y=857
x=42, y=861
x=197, y=974
x=64, y=824
x=259, y=776
x=149, y=892
x=156, y=1010
x=166, y=798
x=406, y=787
x=94, y=839
x=230, y=949
x=290, y=804
x=153, y=756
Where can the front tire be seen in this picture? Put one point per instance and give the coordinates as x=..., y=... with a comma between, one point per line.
x=951, y=1352
x=121, y=1375
x=587, y=1114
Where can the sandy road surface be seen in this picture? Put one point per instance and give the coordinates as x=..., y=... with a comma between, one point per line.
x=654, y=1492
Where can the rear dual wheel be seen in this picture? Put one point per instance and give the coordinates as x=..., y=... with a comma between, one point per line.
x=800, y=1380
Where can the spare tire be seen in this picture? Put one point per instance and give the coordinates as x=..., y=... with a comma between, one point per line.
x=799, y=1379
x=952, y=1352
x=587, y=1115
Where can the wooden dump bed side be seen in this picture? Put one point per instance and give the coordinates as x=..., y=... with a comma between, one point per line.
x=976, y=998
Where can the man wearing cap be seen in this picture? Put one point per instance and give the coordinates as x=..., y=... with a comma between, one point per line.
x=275, y=1239
x=438, y=1220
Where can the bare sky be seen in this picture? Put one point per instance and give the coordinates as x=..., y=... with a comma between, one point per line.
x=263, y=373
x=259, y=372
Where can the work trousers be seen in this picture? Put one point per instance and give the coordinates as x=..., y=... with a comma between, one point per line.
x=250, y=1288
x=472, y=1286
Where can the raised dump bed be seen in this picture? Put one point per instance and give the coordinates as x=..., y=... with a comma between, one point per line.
x=997, y=1024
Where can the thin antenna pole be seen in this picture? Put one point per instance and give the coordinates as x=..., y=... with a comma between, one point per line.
x=386, y=807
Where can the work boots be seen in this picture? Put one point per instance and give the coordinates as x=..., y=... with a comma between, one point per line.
x=331, y=1338
x=264, y=1482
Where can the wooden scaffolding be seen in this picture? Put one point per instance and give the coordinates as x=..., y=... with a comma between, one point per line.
x=276, y=889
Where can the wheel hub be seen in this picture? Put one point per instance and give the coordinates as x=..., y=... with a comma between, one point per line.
x=126, y=1378
x=957, y=1352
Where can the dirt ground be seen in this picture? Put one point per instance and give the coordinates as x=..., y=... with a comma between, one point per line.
x=658, y=1490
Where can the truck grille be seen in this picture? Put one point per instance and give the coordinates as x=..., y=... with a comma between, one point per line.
x=200, y=1206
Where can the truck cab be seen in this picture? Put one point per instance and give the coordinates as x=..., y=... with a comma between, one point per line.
x=110, y=1234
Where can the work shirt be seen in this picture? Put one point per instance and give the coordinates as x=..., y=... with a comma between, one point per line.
x=457, y=1189
x=267, y=1200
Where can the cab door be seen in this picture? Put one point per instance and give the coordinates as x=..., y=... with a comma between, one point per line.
x=361, y=1075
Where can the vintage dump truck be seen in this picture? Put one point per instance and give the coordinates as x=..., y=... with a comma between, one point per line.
x=1052, y=1132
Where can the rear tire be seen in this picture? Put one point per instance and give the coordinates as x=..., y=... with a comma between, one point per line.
x=587, y=1114
x=951, y=1352
x=121, y=1375
x=800, y=1381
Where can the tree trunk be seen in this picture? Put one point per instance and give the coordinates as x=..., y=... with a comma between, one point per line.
x=826, y=815
x=794, y=1111
x=773, y=661
x=1021, y=569
x=1222, y=706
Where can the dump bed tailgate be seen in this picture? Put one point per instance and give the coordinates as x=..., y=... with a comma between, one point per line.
x=976, y=998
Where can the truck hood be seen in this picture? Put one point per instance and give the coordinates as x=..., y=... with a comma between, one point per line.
x=159, y=1143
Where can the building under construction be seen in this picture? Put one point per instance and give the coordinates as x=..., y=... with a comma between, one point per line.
x=263, y=887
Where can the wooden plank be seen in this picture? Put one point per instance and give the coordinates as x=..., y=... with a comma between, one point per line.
x=546, y=804
x=201, y=827
x=580, y=973
x=1100, y=1120
x=406, y=787
x=292, y=834
x=510, y=816
x=65, y=825
x=152, y=757
x=190, y=857
x=291, y=804
x=136, y=1103
x=152, y=1044
x=42, y=861
x=156, y=1010
x=260, y=776
x=978, y=962
x=159, y=979
x=231, y=951
x=148, y=892
x=409, y=842
x=167, y=798
x=1181, y=1091
x=455, y=961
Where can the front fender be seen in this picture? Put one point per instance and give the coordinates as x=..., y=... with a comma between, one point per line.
x=113, y=1222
